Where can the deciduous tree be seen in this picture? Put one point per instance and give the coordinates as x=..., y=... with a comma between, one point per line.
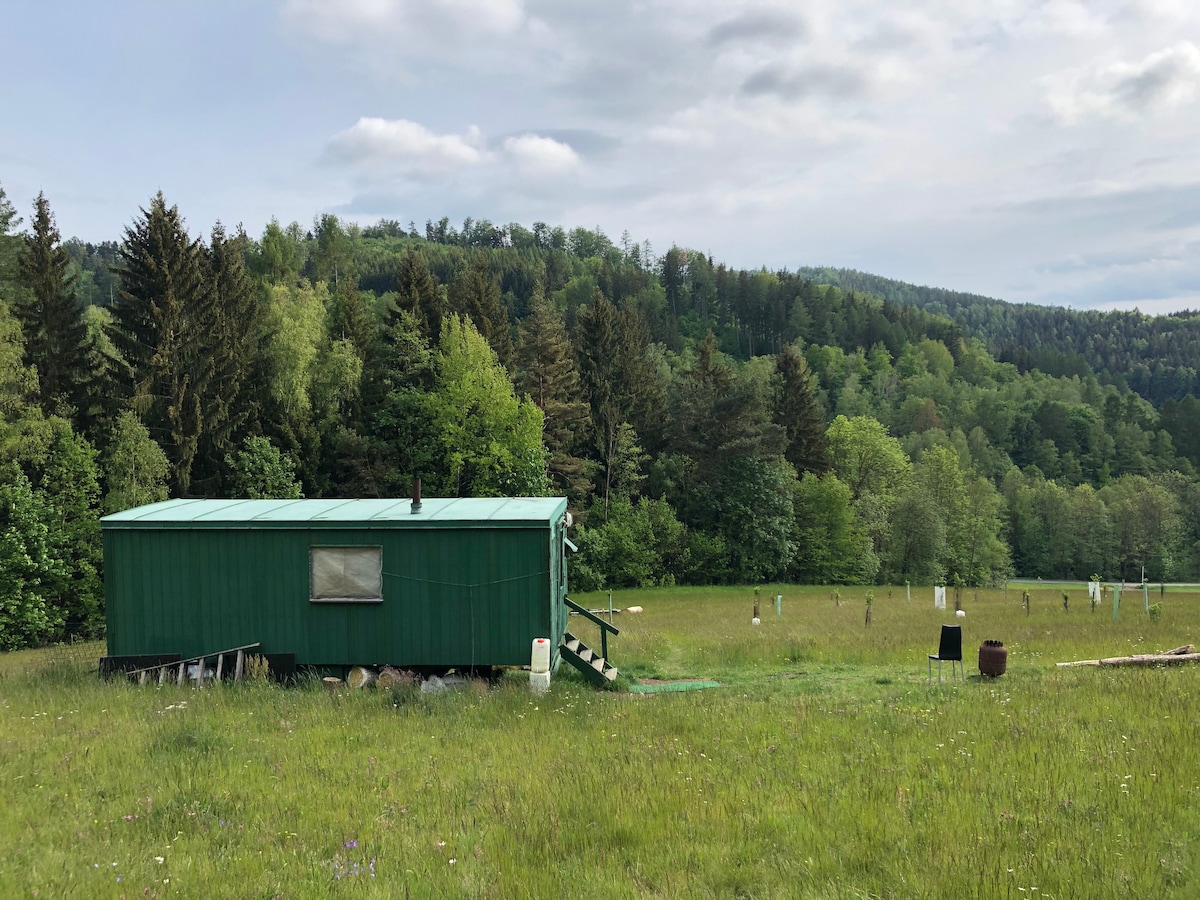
x=491, y=441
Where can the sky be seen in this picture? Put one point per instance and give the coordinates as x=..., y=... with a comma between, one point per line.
x=1043, y=151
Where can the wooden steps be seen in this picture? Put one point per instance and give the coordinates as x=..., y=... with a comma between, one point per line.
x=178, y=671
x=595, y=668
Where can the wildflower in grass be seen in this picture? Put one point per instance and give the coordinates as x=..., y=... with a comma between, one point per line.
x=350, y=844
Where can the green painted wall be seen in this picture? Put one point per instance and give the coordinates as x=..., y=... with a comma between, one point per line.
x=452, y=596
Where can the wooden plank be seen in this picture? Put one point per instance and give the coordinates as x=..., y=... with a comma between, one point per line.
x=239, y=668
x=182, y=672
x=1142, y=659
x=220, y=666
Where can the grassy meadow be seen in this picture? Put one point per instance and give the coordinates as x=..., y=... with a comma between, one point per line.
x=825, y=766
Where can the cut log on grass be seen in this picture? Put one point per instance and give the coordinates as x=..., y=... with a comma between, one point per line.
x=361, y=677
x=1178, y=656
x=391, y=677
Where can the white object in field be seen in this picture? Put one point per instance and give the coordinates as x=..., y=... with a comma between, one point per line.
x=633, y=609
x=361, y=677
x=435, y=685
x=432, y=685
x=539, y=657
x=1094, y=591
x=962, y=614
x=939, y=598
x=539, y=682
x=756, y=621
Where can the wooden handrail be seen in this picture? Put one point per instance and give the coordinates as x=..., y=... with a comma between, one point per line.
x=588, y=614
x=605, y=627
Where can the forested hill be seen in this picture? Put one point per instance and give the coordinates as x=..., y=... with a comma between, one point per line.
x=1158, y=357
x=706, y=423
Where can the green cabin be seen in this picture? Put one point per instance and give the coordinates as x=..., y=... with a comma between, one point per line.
x=433, y=584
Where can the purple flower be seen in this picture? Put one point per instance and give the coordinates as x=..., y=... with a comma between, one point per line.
x=350, y=844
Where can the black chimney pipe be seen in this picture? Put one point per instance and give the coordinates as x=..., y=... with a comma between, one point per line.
x=416, y=495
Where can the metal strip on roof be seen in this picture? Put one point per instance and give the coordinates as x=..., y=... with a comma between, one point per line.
x=434, y=512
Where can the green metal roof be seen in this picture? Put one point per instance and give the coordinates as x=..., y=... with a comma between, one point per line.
x=435, y=512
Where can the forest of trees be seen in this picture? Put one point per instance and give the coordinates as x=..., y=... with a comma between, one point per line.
x=1157, y=357
x=707, y=424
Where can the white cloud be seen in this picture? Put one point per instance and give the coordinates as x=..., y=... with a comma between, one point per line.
x=378, y=152
x=895, y=137
x=348, y=20
x=1127, y=91
x=399, y=39
x=1064, y=18
x=389, y=147
x=536, y=155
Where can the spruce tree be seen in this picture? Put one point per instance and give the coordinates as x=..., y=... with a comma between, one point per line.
x=9, y=246
x=51, y=315
x=232, y=345
x=475, y=294
x=161, y=324
x=598, y=349
x=349, y=318
x=418, y=294
x=547, y=372
x=398, y=443
x=619, y=375
x=799, y=412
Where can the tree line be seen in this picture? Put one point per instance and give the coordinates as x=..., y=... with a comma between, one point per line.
x=1157, y=357
x=707, y=424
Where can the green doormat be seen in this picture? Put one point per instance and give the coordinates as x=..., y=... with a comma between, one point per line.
x=662, y=686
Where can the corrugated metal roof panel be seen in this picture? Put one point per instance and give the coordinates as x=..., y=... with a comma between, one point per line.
x=434, y=512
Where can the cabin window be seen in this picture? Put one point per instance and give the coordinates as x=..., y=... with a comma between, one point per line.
x=346, y=575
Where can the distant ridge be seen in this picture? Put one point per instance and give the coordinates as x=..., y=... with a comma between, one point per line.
x=1157, y=357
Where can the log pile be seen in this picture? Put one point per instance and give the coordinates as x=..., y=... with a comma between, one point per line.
x=1178, y=656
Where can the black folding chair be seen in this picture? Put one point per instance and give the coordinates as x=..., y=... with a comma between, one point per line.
x=950, y=648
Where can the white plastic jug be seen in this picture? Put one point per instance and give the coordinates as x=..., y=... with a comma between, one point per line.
x=539, y=659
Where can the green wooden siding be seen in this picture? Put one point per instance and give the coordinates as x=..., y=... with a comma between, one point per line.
x=459, y=594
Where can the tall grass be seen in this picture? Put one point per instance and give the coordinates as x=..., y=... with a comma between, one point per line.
x=827, y=766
